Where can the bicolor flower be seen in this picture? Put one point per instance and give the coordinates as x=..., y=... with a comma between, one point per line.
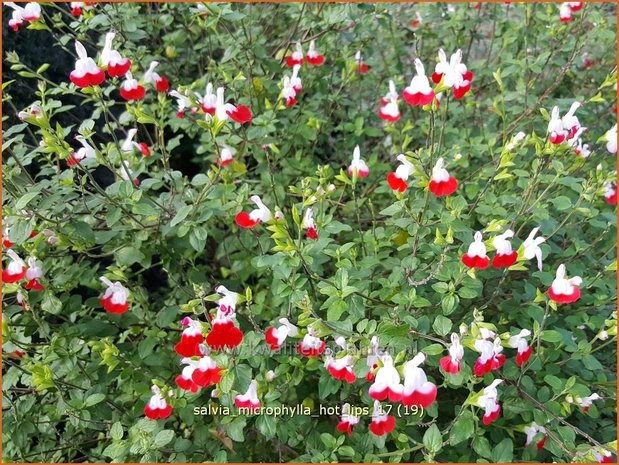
x=580, y=149
x=256, y=216
x=116, y=65
x=358, y=166
x=129, y=145
x=610, y=193
x=249, y=400
x=453, y=74
x=570, y=121
x=419, y=91
x=476, y=255
x=387, y=383
x=417, y=21
x=206, y=371
x=372, y=359
x=382, y=423
x=519, y=342
x=86, y=151
x=586, y=402
x=86, y=72
x=184, y=380
x=295, y=80
x=34, y=274
x=453, y=362
x=575, y=6
x=288, y=93
x=532, y=431
x=225, y=156
x=563, y=290
x=5, y=238
x=15, y=270
x=223, y=331
x=398, y=180
x=389, y=110
x=131, y=89
x=309, y=224
x=611, y=139
x=360, y=66
x=239, y=113
x=489, y=401
x=417, y=389
x=490, y=357
x=182, y=102
x=313, y=57
x=296, y=58
x=310, y=345
x=442, y=183
x=31, y=13
x=347, y=420
x=76, y=9
x=208, y=102
x=602, y=455
x=191, y=338
x=565, y=12
x=275, y=337
x=505, y=256
x=152, y=77
x=115, y=299
x=556, y=129
x=532, y=249
x=157, y=407
x=341, y=368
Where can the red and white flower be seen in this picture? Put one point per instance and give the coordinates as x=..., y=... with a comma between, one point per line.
x=382, y=423
x=116, y=65
x=191, y=338
x=256, y=216
x=476, y=255
x=347, y=420
x=357, y=166
x=182, y=102
x=419, y=91
x=129, y=145
x=565, y=12
x=226, y=156
x=85, y=152
x=152, y=77
x=505, y=256
x=563, y=290
x=310, y=345
x=288, y=93
x=157, y=407
x=453, y=74
x=602, y=455
x=571, y=123
x=275, y=337
x=341, y=368
x=31, y=13
x=15, y=270
x=360, y=66
x=372, y=359
x=556, y=129
x=249, y=400
x=532, y=249
x=295, y=80
x=313, y=57
x=532, y=432
x=5, y=238
x=417, y=389
x=442, y=183
x=239, y=113
x=34, y=274
x=223, y=331
x=131, y=88
x=610, y=193
x=115, y=299
x=611, y=140
x=86, y=72
x=453, y=362
x=296, y=58
x=490, y=357
x=208, y=102
x=389, y=110
x=387, y=383
x=417, y=21
x=519, y=342
x=309, y=224
x=206, y=371
x=76, y=9
x=575, y=6
x=489, y=401
x=580, y=149
x=398, y=180
x=586, y=402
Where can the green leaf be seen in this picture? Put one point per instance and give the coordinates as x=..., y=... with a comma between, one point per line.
x=163, y=437
x=442, y=325
x=432, y=439
x=503, y=451
x=181, y=215
x=267, y=425
x=116, y=432
x=94, y=399
x=25, y=200
x=463, y=428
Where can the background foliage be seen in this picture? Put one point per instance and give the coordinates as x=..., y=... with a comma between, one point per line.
x=79, y=390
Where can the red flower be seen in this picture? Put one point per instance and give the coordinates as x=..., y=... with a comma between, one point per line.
x=86, y=72
x=313, y=57
x=157, y=407
x=15, y=271
x=296, y=58
x=398, y=180
x=476, y=256
x=441, y=183
x=115, y=298
x=565, y=291
x=191, y=338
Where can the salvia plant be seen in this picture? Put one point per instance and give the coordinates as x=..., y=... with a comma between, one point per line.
x=309, y=232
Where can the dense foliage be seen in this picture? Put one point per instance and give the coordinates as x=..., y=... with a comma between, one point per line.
x=159, y=215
